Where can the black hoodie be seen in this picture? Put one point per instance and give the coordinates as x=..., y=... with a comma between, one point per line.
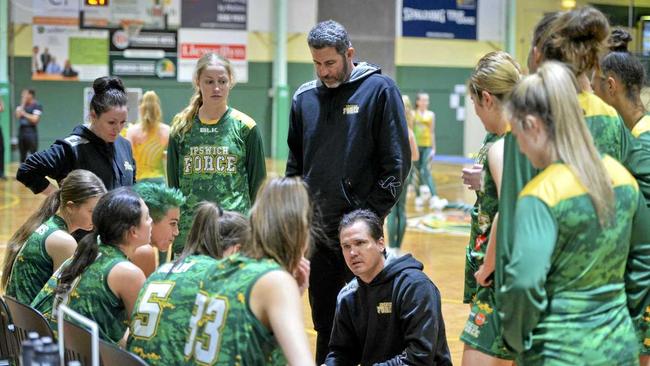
x=393, y=320
x=350, y=143
x=112, y=162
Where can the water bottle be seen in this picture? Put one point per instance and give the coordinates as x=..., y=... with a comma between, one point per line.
x=47, y=354
x=27, y=348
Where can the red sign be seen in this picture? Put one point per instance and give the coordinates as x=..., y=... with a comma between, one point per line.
x=233, y=52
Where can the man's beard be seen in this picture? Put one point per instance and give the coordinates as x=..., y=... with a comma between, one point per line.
x=340, y=78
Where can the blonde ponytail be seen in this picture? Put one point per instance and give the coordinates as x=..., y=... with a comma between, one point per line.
x=551, y=94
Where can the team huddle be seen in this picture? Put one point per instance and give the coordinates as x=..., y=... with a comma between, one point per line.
x=209, y=268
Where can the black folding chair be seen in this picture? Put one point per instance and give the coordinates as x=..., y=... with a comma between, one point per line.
x=111, y=354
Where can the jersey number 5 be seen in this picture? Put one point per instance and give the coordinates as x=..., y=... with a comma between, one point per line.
x=148, y=315
x=206, y=325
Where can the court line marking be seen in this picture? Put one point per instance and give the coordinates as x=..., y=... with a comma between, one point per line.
x=15, y=201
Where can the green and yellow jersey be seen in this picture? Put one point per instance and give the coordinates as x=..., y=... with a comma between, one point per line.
x=610, y=137
x=563, y=296
x=422, y=125
x=33, y=266
x=149, y=157
x=160, y=321
x=90, y=296
x=220, y=161
x=198, y=313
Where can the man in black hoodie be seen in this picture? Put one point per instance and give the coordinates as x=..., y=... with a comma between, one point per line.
x=348, y=140
x=393, y=316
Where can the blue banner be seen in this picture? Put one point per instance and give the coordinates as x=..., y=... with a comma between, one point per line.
x=451, y=19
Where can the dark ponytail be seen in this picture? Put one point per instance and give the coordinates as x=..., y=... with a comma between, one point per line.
x=48, y=208
x=624, y=66
x=116, y=212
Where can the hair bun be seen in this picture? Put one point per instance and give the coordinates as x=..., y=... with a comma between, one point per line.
x=587, y=25
x=106, y=83
x=619, y=40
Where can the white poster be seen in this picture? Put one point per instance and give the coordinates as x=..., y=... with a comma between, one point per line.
x=193, y=43
x=67, y=53
x=64, y=12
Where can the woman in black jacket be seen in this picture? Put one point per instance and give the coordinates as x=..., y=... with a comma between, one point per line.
x=97, y=147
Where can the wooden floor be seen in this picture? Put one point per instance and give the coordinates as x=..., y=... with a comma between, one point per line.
x=441, y=251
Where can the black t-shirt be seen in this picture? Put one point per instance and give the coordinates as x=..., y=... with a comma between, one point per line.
x=34, y=108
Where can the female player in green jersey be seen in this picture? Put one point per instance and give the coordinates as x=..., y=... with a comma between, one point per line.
x=43, y=242
x=580, y=231
x=494, y=77
x=576, y=38
x=99, y=281
x=215, y=152
x=159, y=324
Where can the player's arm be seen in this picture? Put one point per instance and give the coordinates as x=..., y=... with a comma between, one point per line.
x=393, y=153
x=637, y=274
x=55, y=162
x=145, y=258
x=60, y=246
x=275, y=301
x=33, y=117
x=433, y=135
x=255, y=162
x=173, y=151
x=495, y=164
x=294, y=140
x=126, y=280
x=523, y=293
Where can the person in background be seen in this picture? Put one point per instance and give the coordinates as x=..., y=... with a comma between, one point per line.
x=53, y=67
x=149, y=139
x=424, y=127
x=28, y=114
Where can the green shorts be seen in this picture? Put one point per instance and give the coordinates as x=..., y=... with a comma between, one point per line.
x=482, y=330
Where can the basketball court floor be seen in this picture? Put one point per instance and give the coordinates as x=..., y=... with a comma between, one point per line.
x=437, y=239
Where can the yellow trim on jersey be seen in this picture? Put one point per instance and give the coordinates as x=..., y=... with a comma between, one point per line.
x=592, y=105
x=641, y=127
x=558, y=183
x=243, y=118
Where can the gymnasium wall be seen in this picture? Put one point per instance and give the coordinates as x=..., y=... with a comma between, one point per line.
x=434, y=66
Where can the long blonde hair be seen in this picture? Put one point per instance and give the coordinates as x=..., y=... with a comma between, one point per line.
x=182, y=122
x=150, y=112
x=408, y=111
x=551, y=95
x=496, y=73
x=280, y=221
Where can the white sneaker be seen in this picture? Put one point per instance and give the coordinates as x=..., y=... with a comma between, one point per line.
x=395, y=252
x=437, y=203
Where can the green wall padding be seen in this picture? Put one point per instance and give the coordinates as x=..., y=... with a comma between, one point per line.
x=439, y=82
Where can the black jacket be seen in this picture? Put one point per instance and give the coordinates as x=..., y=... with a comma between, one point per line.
x=112, y=162
x=393, y=320
x=350, y=143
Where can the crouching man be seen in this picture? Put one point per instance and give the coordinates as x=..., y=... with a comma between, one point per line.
x=393, y=316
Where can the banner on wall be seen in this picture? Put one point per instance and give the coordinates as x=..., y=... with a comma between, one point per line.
x=193, y=43
x=55, y=12
x=68, y=53
x=215, y=14
x=148, y=54
x=450, y=19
